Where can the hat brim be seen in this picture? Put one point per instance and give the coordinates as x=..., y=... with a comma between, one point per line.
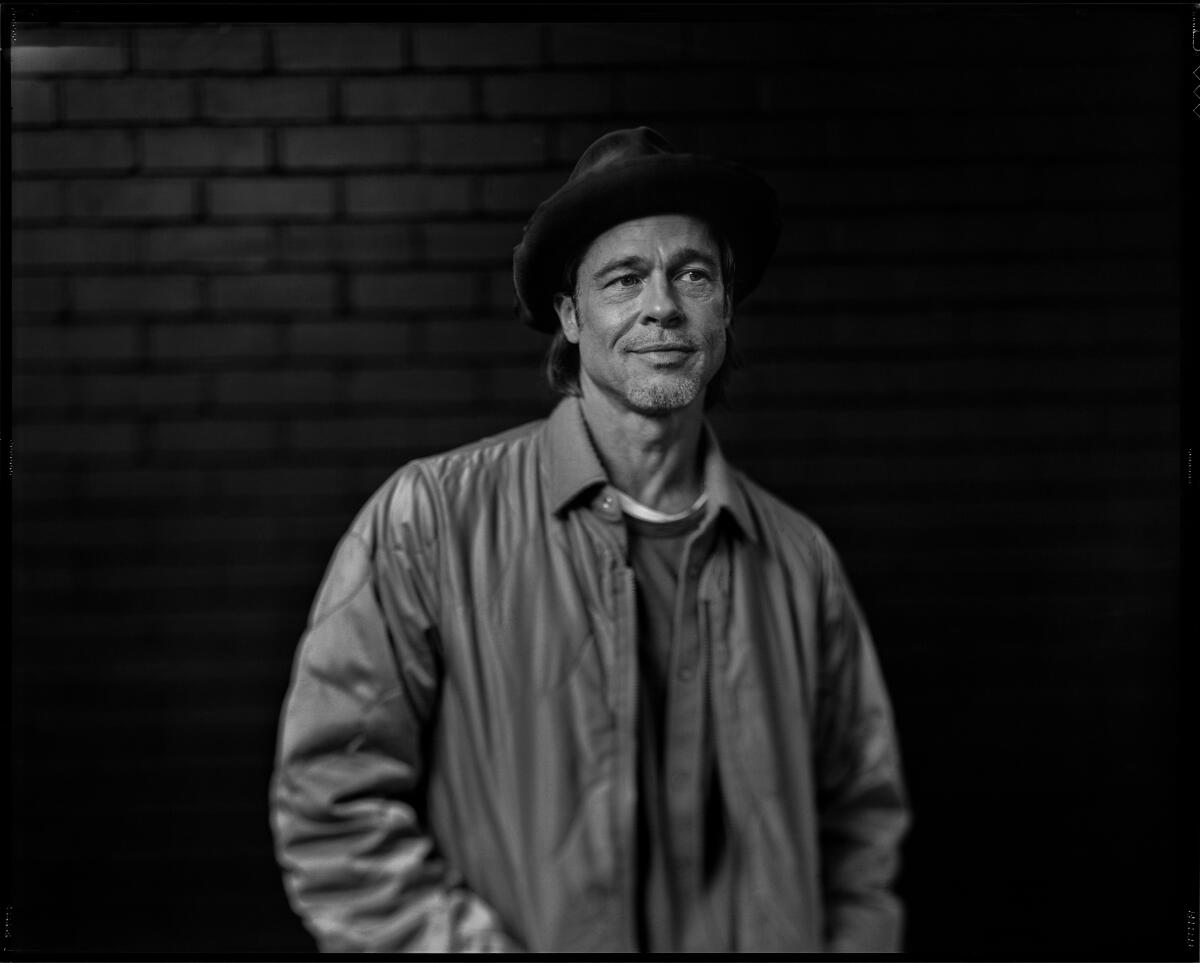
x=733, y=200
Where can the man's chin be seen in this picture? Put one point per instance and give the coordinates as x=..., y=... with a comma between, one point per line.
x=658, y=398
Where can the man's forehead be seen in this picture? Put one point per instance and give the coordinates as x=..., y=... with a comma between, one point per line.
x=660, y=232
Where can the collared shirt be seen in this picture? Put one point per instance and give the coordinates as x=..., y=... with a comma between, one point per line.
x=457, y=766
x=573, y=469
x=682, y=859
x=680, y=810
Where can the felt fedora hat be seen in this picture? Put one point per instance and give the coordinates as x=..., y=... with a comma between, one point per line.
x=634, y=173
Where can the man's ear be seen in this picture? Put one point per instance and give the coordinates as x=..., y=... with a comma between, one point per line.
x=568, y=317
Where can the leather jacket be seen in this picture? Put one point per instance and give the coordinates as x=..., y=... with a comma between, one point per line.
x=457, y=758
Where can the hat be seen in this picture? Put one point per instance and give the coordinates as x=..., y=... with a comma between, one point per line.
x=629, y=174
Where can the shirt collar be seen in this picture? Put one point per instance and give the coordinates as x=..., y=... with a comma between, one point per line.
x=571, y=466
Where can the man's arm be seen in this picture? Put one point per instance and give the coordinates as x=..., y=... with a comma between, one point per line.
x=863, y=807
x=358, y=866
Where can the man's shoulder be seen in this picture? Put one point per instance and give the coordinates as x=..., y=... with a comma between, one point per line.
x=420, y=491
x=482, y=462
x=785, y=528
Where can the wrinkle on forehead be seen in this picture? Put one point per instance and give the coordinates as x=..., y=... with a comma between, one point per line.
x=667, y=240
x=665, y=232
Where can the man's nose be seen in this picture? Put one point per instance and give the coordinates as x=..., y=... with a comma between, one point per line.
x=659, y=300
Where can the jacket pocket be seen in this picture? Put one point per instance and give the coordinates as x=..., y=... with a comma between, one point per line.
x=779, y=917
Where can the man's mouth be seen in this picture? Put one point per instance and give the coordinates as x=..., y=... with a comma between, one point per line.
x=663, y=349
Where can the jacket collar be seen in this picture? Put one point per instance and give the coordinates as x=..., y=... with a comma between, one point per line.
x=571, y=467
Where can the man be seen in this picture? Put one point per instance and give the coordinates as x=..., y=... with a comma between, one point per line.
x=583, y=686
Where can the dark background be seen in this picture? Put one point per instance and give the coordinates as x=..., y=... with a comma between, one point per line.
x=257, y=266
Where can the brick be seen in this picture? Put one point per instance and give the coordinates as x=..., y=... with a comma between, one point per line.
x=35, y=201
x=834, y=282
x=466, y=243
x=353, y=434
x=148, y=389
x=406, y=97
x=411, y=432
x=492, y=337
x=143, y=199
x=157, y=293
x=204, y=148
x=305, y=480
x=277, y=388
x=983, y=137
x=270, y=197
x=224, y=48
x=501, y=293
x=56, y=343
x=481, y=145
x=273, y=292
x=348, y=243
x=57, y=50
x=1021, y=232
x=413, y=292
x=43, y=392
x=476, y=45
x=113, y=483
x=44, y=580
x=32, y=103
x=547, y=94
x=212, y=435
x=741, y=43
x=520, y=193
x=977, y=330
x=350, y=339
x=76, y=440
x=1022, y=183
x=77, y=245
x=34, y=297
x=412, y=194
x=141, y=100
x=249, y=246
x=687, y=91
x=421, y=385
x=616, y=43
x=226, y=339
x=984, y=88
x=521, y=385
x=72, y=151
x=574, y=137
x=266, y=99
x=346, y=147
x=338, y=47
x=884, y=381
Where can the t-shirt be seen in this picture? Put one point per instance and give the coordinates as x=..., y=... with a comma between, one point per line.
x=682, y=816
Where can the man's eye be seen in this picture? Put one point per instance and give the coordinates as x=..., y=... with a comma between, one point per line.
x=695, y=275
x=627, y=280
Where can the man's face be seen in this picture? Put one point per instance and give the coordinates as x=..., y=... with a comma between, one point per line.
x=649, y=314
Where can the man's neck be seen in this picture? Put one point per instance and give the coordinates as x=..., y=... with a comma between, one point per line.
x=653, y=459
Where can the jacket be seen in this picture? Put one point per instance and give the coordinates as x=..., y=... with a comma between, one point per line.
x=456, y=767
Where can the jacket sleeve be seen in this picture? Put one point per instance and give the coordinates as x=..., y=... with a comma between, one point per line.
x=863, y=809
x=346, y=798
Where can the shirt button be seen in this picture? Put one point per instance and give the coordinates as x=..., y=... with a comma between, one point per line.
x=686, y=673
x=679, y=778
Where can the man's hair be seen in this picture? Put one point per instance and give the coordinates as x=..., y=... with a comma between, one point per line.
x=562, y=357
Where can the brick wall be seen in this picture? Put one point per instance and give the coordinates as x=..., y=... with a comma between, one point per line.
x=258, y=266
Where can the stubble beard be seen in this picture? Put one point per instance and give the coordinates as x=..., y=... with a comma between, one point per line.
x=662, y=396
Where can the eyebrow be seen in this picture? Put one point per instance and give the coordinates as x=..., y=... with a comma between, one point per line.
x=633, y=261
x=680, y=257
